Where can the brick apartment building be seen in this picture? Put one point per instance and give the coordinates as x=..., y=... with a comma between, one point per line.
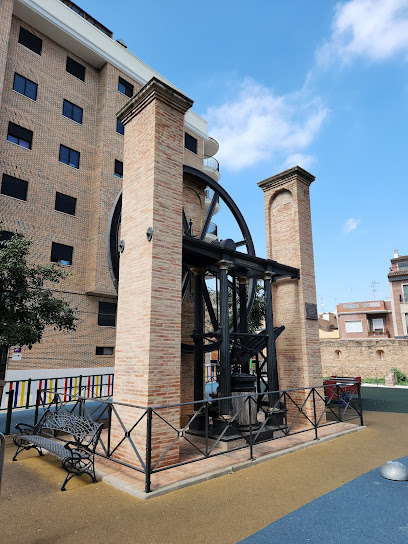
x=373, y=335
x=63, y=77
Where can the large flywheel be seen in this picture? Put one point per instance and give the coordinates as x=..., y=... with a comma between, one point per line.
x=216, y=198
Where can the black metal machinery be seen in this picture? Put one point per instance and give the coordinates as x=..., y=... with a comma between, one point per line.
x=225, y=310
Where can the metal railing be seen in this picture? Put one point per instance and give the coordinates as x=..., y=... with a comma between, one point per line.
x=24, y=394
x=152, y=439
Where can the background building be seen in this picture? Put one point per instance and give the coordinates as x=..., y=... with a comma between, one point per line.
x=63, y=77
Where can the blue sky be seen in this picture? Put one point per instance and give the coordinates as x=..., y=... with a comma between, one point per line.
x=321, y=84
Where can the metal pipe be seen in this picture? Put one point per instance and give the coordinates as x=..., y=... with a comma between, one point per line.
x=272, y=368
x=225, y=370
x=148, y=451
x=9, y=411
x=243, y=316
x=199, y=330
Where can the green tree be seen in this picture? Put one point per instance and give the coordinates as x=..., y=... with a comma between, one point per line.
x=27, y=302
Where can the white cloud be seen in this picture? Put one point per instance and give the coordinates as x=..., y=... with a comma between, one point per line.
x=257, y=125
x=351, y=224
x=299, y=159
x=375, y=29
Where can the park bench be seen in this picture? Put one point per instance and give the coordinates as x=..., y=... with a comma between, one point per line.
x=77, y=455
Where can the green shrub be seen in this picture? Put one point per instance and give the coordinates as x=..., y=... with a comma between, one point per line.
x=400, y=375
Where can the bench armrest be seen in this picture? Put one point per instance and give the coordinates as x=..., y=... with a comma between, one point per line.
x=76, y=449
x=25, y=428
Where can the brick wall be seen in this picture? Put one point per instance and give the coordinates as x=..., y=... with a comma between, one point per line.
x=366, y=358
x=93, y=184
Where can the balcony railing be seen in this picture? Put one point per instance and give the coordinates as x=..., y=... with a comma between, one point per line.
x=210, y=162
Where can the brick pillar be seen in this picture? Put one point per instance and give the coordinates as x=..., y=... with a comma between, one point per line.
x=148, y=339
x=289, y=241
x=6, y=12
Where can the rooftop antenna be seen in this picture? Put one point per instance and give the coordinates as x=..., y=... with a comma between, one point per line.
x=374, y=287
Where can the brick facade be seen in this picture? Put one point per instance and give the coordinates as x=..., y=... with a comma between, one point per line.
x=365, y=358
x=289, y=241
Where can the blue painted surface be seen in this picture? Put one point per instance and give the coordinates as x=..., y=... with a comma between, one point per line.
x=367, y=510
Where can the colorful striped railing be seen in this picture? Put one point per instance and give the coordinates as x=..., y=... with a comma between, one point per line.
x=24, y=392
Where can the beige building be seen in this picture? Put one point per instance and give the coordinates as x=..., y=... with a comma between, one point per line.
x=63, y=78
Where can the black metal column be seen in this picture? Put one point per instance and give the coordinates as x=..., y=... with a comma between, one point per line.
x=225, y=370
x=199, y=331
x=243, y=316
x=272, y=368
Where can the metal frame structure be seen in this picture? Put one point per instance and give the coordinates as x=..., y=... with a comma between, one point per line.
x=221, y=260
x=308, y=409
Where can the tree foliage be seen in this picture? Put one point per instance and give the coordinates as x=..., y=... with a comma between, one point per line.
x=27, y=302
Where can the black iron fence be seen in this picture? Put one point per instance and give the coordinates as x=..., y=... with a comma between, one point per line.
x=152, y=439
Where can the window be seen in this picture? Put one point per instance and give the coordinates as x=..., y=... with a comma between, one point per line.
x=69, y=156
x=120, y=128
x=118, y=169
x=20, y=136
x=406, y=322
x=72, y=111
x=403, y=266
x=65, y=203
x=60, y=253
x=337, y=354
x=28, y=39
x=354, y=326
x=15, y=187
x=377, y=325
x=6, y=235
x=405, y=293
x=25, y=86
x=107, y=314
x=75, y=68
x=102, y=350
x=190, y=142
x=125, y=88
x=380, y=354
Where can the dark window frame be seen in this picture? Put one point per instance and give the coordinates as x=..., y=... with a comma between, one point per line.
x=6, y=235
x=75, y=68
x=102, y=348
x=65, y=203
x=20, y=134
x=30, y=40
x=71, y=154
x=26, y=91
x=19, y=190
x=72, y=111
x=107, y=314
x=190, y=142
x=61, y=253
x=118, y=171
x=124, y=87
x=120, y=127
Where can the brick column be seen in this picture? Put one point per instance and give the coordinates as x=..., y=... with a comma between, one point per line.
x=148, y=353
x=289, y=241
x=6, y=12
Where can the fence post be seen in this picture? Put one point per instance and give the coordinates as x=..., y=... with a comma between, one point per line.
x=28, y=393
x=109, y=426
x=2, y=451
x=251, y=453
x=148, y=450
x=9, y=411
x=314, y=413
x=206, y=428
x=360, y=404
x=338, y=402
x=37, y=404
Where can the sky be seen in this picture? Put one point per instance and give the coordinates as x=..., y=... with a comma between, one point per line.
x=321, y=84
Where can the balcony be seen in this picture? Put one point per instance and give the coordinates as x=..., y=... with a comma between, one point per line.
x=210, y=147
x=212, y=168
x=212, y=233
